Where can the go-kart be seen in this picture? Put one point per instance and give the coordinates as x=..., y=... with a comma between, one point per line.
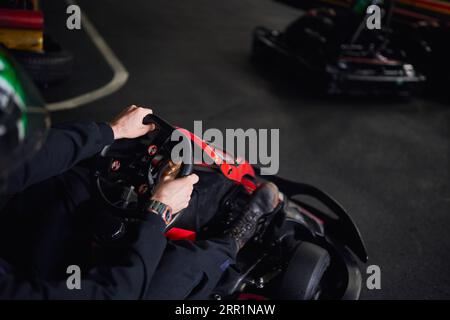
x=22, y=32
x=306, y=249
x=336, y=54
x=417, y=30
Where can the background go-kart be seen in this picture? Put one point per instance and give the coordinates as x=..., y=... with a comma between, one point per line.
x=386, y=161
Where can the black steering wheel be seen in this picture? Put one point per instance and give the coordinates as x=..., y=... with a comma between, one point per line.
x=128, y=170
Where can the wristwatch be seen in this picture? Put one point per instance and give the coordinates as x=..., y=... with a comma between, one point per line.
x=161, y=209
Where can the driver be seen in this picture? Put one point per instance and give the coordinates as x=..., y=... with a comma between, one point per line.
x=47, y=184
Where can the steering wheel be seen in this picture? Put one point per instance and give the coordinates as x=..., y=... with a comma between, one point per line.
x=128, y=170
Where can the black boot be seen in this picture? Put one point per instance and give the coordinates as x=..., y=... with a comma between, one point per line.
x=264, y=201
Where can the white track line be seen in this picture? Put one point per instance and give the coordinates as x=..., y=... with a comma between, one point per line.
x=118, y=80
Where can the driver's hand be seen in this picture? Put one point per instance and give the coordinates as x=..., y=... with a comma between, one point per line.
x=175, y=193
x=128, y=124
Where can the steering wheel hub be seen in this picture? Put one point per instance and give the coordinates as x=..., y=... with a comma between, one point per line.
x=128, y=170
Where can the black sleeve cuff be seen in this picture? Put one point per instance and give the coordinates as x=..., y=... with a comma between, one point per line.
x=156, y=220
x=150, y=233
x=106, y=132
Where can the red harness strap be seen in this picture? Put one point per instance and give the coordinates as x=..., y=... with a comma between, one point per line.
x=180, y=234
x=239, y=171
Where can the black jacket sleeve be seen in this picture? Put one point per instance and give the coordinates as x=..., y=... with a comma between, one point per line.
x=128, y=278
x=65, y=146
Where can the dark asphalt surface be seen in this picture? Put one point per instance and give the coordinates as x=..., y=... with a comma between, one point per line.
x=387, y=162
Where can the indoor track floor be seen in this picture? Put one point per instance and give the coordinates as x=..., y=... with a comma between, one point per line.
x=387, y=162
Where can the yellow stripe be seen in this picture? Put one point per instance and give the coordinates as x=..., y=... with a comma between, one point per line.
x=22, y=39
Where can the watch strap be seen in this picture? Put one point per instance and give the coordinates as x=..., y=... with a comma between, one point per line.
x=161, y=209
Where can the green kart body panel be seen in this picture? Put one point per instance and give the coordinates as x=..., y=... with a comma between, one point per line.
x=24, y=120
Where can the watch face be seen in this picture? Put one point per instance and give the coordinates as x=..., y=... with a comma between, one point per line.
x=167, y=216
x=161, y=209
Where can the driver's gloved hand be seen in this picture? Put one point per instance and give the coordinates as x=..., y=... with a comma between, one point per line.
x=264, y=201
